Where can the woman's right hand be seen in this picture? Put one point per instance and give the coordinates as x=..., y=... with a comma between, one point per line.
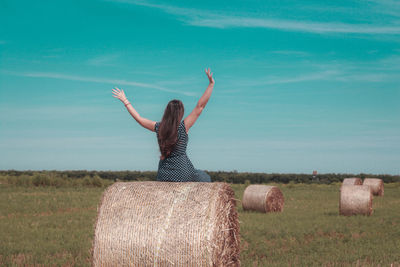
x=209, y=75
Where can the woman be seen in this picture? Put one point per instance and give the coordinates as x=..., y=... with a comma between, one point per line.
x=172, y=136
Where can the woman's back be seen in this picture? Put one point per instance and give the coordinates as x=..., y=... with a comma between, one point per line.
x=177, y=167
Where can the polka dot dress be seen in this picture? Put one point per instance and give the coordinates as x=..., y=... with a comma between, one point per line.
x=177, y=167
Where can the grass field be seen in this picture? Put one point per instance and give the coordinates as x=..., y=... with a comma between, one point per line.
x=52, y=226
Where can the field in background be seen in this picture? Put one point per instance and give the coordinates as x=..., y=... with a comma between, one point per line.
x=217, y=176
x=54, y=226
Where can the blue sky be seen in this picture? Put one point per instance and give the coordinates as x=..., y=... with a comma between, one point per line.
x=300, y=85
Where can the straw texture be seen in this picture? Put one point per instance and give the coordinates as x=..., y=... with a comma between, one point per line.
x=355, y=199
x=352, y=181
x=376, y=185
x=167, y=224
x=263, y=198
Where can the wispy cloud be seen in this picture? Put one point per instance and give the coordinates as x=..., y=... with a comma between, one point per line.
x=292, y=25
x=115, y=82
x=57, y=142
x=103, y=60
x=149, y=73
x=305, y=144
x=339, y=72
x=387, y=7
x=365, y=77
x=290, y=53
x=206, y=18
x=391, y=62
x=65, y=111
x=302, y=78
x=2, y=42
x=51, y=56
x=323, y=75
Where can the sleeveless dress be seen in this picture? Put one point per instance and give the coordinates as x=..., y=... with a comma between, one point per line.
x=177, y=167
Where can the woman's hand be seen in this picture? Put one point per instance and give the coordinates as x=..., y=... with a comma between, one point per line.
x=118, y=93
x=209, y=75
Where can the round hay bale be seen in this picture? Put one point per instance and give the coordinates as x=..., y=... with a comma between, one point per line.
x=263, y=198
x=352, y=181
x=167, y=224
x=355, y=199
x=376, y=185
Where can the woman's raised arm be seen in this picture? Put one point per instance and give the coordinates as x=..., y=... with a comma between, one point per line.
x=146, y=123
x=192, y=117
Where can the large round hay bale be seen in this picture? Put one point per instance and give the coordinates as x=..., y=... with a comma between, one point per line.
x=352, y=181
x=376, y=185
x=355, y=199
x=167, y=224
x=263, y=198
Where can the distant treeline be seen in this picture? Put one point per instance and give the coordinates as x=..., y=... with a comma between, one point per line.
x=216, y=176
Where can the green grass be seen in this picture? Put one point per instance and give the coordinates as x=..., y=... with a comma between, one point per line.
x=52, y=226
x=310, y=231
x=47, y=225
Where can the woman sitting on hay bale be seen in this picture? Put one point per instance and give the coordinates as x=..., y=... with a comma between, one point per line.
x=172, y=136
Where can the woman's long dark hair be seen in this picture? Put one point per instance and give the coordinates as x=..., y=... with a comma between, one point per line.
x=168, y=129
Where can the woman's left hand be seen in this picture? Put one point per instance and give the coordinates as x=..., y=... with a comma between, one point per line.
x=119, y=93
